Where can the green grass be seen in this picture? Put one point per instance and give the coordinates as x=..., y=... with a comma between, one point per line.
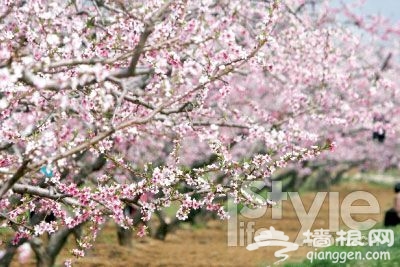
x=171, y=210
x=394, y=252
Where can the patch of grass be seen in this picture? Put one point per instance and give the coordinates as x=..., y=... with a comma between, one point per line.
x=393, y=172
x=263, y=264
x=381, y=184
x=339, y=254
x=172, y=209
x=301, y=265
x=5, y=231
x=377, y=184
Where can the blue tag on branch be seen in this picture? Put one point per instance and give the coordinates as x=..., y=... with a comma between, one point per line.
x=47, y=171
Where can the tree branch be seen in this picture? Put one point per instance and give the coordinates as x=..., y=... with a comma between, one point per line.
x=19, y=173
x=43, y=192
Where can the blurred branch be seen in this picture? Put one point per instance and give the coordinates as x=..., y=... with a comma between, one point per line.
x=18, y=174
x=384, y=66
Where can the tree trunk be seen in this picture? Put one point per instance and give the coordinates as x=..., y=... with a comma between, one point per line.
x=42, y=258
x=11, y=249
x=124, y=236
x=46, y=255
x=58, y=240
x=323, y=180
x=163, y=229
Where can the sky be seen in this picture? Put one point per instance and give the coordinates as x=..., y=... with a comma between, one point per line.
x=388, y=8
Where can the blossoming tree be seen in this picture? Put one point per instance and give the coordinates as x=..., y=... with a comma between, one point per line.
x=360, y=90
x=114, y=109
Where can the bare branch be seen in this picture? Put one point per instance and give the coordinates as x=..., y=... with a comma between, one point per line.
x=221, y=124
x=148, y=29
x=384, y=66
x=43, y=192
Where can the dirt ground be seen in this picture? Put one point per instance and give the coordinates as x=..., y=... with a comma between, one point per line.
x=207, y=245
